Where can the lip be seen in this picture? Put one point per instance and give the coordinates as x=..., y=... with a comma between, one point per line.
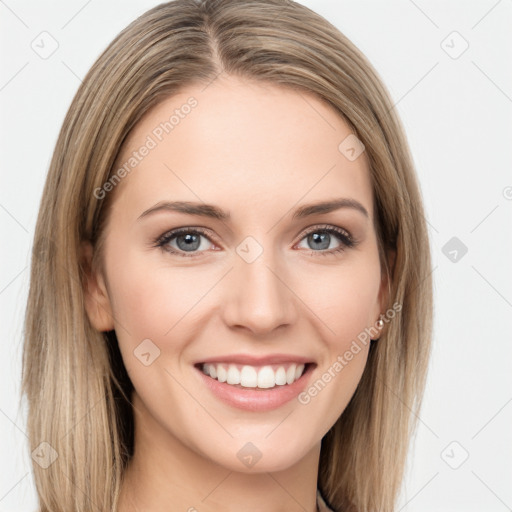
x=256, y=360
x=254, y=399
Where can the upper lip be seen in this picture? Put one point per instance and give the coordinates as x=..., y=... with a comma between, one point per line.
x=257, y=360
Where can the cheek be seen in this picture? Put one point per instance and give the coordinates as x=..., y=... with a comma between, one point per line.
x=153, y=308
x=150, y=302
x=159, y=303
x=345, y=299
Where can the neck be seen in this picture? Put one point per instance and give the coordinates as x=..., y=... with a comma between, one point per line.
x=164, y=474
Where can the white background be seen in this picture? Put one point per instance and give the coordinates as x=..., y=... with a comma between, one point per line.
x=457, y=113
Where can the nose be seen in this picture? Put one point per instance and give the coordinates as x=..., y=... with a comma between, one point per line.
x=258, y=297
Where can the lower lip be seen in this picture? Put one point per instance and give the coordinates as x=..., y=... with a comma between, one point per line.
x=256, y=399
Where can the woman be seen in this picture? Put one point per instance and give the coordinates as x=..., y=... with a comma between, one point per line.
x=230, y=295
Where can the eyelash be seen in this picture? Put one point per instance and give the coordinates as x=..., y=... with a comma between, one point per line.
x=347, y=241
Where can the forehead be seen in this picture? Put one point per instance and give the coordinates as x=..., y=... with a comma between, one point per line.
x=243, y=145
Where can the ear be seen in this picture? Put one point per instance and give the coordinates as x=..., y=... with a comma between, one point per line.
x=383, y=298
x=97, y=301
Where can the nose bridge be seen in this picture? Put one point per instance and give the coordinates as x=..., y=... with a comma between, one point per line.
x=259, y=298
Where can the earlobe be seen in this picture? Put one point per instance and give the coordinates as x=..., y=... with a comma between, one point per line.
x=96, y=299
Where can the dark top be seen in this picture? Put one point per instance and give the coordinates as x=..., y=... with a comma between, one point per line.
x=322, y=506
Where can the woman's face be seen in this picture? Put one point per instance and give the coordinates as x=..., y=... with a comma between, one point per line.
x=256, y=277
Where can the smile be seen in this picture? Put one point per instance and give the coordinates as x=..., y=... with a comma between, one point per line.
x=252, y=387
x=248, y=376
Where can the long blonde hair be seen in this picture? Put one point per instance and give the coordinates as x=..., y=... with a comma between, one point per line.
x=73, y=377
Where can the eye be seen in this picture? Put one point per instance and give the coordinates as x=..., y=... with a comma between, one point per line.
x=320, y=237
x=187, y=240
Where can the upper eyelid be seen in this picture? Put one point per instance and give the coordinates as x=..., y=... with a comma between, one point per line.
x=320, y=227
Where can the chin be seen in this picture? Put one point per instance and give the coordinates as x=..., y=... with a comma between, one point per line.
x=259, y=455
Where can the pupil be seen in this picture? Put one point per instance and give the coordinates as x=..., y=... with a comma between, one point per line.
x=321, y=238
x=190, y=241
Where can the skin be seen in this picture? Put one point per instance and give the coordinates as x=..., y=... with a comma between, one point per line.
x=258, y=151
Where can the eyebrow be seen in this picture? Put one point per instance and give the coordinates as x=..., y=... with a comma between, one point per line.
x=214, y=212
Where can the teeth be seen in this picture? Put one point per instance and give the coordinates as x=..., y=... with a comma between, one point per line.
x=280, y=376
x=290, y=374
x=248, y=377
x=222, y=374
x=251, y=377
x=266, y=377
x=233, y=375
